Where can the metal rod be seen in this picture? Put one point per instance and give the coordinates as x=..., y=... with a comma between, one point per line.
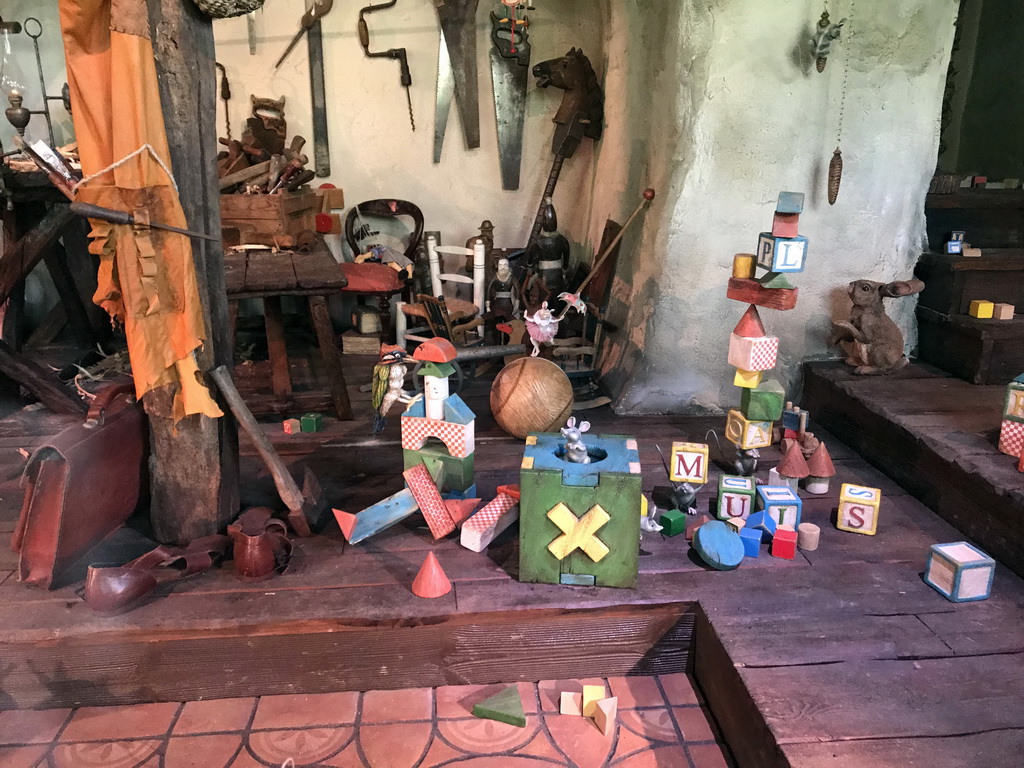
x=42, y=80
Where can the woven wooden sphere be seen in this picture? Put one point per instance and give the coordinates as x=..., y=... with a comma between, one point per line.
x=531, y=395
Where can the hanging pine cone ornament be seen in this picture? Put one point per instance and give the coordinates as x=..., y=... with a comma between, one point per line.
x=820, y=63
x=835, y=176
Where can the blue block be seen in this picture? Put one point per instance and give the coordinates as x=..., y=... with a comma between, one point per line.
x=383, y=515
x=577, y=579
x=469, y=493
x=954, y=246
x=608, y=453
x=781, y=254
x=781, y=503
x=762, y=522
x=751, y=538
x=790, y=202
x=718, y=545
x=791, y=420
x=960, y=572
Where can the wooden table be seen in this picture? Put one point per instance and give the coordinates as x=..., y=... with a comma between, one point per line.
x=262, y=274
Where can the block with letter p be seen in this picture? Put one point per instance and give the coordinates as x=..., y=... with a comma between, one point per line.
x=858, y=509
x=747, y=434
x=781, y=503
x=735, y=497
x=781, y=254
x=689, y=463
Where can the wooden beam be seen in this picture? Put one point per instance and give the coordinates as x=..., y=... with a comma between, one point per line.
x=194, y=463
x=39, y=381
x=22, y=256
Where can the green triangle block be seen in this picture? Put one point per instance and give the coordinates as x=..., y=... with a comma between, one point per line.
x=440, y=370
x=775, y=280
x=436, y=469
x=505, y=707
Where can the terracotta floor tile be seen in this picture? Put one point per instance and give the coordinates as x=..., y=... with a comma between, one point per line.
x=214, y=716
x=347, y=758
x=305, y=746
x=579, y=739
x=708, y=756
x=550, y=691
x=440, y=752
x=480, y=736
x=656, y=758
x=397, y=745
x=398, y=706
x=680, y=690
x=655, y=724
x=628, y=742
x=695, y=723
x=109, y=754
x=306, y=710
x=26, y=726
x=458, y=700
x=635, y=692
x=114, y=723
x=22, y=757
x=541, y=746
x=215, y=751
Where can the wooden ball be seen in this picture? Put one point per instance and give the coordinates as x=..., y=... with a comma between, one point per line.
x=531, y=395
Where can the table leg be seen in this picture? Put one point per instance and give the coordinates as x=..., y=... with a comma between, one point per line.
x=385, y=318
x=332, y=356
x=233, y=325
x=279, y=373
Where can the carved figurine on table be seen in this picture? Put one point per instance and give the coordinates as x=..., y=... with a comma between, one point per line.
x=486, y=237
x=503, y=294
x=382, y=254
x=575, y=450
x=388, y=380
x=542, y=325
x=548, y=258
x=265, y=131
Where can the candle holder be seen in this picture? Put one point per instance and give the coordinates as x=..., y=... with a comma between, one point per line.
x=17, y=114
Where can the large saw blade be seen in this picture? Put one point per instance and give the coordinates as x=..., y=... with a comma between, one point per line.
x=458, y=23
x=445, y=92
x=510, y=75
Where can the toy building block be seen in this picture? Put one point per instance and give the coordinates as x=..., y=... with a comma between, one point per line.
x=775, y=280
x=735, y=497
x=695, y=523
x=591, y=695
x=736, y=523
x=747, y=379
x=752, y=292
x=747, y=434
x=1020, y=464
x=959, y=572
x=578, y=532
x=981, y=309
x=794, y=418
x=743, y=265
x=312, y=422
x=431, y=580
x=577, y=579
x=673, y=522
x=763, y=402
x=505, y=707
x=458, y=472
x=954, y=247
x=719, y=545
x=605, y=713
x=1011, y=438
x=763, y=522
x=781, y=503
x=469, y=493
x=979, y=181
x=1013, y=405
x=790, y=202
x=786, y=224
x=774, y=478
x=781, y=254
x=456, y=429
x=820, y=471
x=807, y=536
x=570, y=703
x=433, y=507
x=376, y=518
x=689, y=463
x=957, y=235
x=858, y=509
x=436, y=350
x=291, y=426
x=793, y=466
x=970, y=253
x=461, y=510
x=753, y=353
x=784, y=543
x=751, y=538
x=750, y=324
x=510, y=490
x=1003, y=311
x=483, y=527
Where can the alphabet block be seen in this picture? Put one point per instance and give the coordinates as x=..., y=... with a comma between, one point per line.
x=781, y=254
x=954, y=247
x=858, y=509
x=786, y=224
x=753, y=353
x=735, y=497
x=763, y=522
x=746, y=379
x=747, y=434
x=689, y=463
x=764, y=402
x=790, y=202
x=1003, y=312
x=959, y=572
x=291, y=426
x=781, y=503
x=751, y=538
x=743, y=265
x=981, y=309
x=1013, y=407
x=784, y=543
x=736, y=523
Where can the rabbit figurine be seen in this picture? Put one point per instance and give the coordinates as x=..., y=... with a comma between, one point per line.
x=878, y=343
x=575, y=450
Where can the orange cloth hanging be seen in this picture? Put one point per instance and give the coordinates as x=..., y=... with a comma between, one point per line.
x=147, y=277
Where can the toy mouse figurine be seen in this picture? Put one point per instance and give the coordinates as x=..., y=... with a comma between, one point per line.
x=878, y=343
x=746, y=461
x=682, y=495
x=575, y=450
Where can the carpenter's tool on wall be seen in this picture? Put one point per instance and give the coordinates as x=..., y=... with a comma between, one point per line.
x=310, y=18
x=225, y=96
x=250, y=28
x=89, y=211
x=510, y=76
x=458, y=40
x=398, y=54
x=18, y=115
x=318, y=98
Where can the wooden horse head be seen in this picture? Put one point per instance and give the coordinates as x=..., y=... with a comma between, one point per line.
x=583, y=96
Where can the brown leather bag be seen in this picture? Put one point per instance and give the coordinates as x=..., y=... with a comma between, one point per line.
x=80, y=486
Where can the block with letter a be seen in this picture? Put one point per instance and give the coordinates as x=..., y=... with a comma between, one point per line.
x=858, y=509
x=689, y=463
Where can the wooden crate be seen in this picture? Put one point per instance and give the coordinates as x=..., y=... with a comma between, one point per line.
x=952, y=282
x=990, y=218
x=285, y=214
x=978, y=351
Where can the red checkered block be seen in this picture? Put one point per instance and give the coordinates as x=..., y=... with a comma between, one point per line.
x=756, y=353
x=1011, y=438
x=459, y=439
x=429, y=500
x=482, y=528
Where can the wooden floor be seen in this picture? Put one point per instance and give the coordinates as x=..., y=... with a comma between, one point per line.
x=841, y=658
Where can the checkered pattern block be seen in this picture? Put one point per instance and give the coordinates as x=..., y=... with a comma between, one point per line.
x=458, y=438
x=1011, y=438
x=429, y=500
x=491, y=513
x=753, y=353
x=483, y=527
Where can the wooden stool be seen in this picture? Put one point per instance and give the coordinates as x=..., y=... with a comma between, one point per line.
x=269, y=276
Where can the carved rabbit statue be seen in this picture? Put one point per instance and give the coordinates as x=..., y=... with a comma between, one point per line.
x=575, y=450
x=878, y=343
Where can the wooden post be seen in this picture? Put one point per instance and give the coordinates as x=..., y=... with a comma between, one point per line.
x=193, y=465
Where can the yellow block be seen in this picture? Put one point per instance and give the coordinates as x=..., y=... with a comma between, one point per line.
x=591, y=695
x=745, y=433
x=747, y=379
x=688, y=463
x=743, y=265
x=578, y=532
x=643, y=506
x=531, y=439
x=982, y=309
x=527, y=462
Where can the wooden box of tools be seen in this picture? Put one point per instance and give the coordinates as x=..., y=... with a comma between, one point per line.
x=287, y=213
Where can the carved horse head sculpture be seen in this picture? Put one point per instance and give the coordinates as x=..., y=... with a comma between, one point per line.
x=583, y=100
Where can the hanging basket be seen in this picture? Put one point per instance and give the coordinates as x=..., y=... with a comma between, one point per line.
x=225, y=9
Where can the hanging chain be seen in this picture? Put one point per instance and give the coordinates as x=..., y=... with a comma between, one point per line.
x=846, y=76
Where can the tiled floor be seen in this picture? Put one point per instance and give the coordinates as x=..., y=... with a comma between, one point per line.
x=661, y=724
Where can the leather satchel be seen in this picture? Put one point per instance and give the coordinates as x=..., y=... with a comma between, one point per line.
x=80, y=487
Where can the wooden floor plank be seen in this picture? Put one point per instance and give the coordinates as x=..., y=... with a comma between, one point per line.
x=997, y=749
